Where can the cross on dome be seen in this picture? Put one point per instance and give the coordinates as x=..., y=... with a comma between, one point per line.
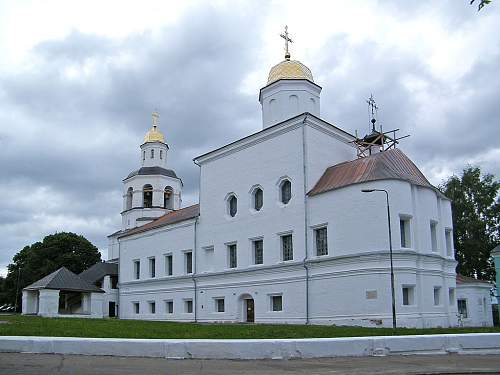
x=287, y=39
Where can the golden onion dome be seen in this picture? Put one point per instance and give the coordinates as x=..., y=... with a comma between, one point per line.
x=154, y=135
x=289, y=69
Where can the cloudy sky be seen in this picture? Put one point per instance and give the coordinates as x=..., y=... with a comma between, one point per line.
x=79, y=80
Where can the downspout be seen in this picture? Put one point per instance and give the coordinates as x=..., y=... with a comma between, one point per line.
x=306, y=221
x=118, y=294
x=194, y=270
x=195, y=245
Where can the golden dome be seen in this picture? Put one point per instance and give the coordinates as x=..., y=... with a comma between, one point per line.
x=154, y=135
x=289, y=69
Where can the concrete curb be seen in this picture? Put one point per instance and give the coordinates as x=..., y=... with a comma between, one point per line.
x=473, y=343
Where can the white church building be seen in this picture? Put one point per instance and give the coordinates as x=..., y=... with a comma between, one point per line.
x=283, y=232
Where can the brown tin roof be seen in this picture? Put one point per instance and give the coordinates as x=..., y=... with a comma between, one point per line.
x=170, y=218
x=390, y=164
x=461, y=279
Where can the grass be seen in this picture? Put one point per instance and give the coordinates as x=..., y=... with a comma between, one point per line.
x=17, y=325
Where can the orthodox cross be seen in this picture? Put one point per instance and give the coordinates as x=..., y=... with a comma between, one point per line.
x=372, y=106
x=156, y=118
x=287, y=39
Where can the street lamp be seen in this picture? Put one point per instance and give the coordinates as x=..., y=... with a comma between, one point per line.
x=390, y=252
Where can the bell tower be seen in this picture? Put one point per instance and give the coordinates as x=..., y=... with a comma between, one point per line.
x=152, y=190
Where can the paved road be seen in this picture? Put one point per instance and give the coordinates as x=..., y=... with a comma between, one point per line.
x=40, y=364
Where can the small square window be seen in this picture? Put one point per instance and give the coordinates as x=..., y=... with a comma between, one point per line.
x=135, y=306
x=321, y=241
x=276, y=303
x=170, y=307
x=188, y=306
x=437, y=295
x=233, y=260
x=219, y=305
x=408, y=295
x=286, y=247
x=152, y=307
x=258, y=251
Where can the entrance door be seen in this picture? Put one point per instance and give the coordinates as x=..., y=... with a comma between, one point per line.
x=112, y=308
x=250, y=310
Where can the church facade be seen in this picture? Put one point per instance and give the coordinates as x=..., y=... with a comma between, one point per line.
x=283, y=232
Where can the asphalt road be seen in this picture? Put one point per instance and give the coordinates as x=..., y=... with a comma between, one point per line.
x=40, y=364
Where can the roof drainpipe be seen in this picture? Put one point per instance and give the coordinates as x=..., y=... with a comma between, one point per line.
x=194, y=271
x=306, y=231
x=118, y=286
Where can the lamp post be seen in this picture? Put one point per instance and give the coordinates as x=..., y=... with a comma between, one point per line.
x=390, y=252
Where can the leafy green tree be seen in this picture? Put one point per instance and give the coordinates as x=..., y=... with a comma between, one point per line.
x=476, y=220
x=35, y=261
x=482, y=3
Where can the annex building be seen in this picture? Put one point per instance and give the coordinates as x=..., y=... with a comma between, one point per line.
x=283, y=232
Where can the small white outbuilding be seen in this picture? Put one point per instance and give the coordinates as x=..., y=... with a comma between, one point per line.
x=63, y=293
x=474, y=302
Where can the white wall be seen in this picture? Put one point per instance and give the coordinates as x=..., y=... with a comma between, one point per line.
x=479, y=313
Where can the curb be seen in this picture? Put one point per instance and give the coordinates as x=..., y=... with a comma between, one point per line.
x=474, y=343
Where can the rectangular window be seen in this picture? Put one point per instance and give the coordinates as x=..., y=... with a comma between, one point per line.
x=152, y=307
x=169, y=265
x=321, y=241
x=434, y=244
x=137, y=269
x=219, y=304
x=161, y=154
x=408, y=295
x=114, y=282
x=152, y=153
x=287, y=247
x=135, y=306
x=451, y=296
x=233, y=260
x=404, y=229
x=276, y=303
x=188, y=306
x=189, y=261
x=152, y=267
x=258, y=252
x=170, y=307
x=437, y=295
x=462, y=308
x=447, y=235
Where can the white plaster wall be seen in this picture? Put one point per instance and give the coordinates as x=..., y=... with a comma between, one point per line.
x=30, y=302
x=154, y=161
x=96, y=304
x=48, y=304
x=263, y=164
x=278, y=106
x=478, y=304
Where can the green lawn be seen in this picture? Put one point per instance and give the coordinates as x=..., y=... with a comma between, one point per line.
x=17, y=325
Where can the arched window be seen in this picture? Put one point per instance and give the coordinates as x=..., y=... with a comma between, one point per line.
x=130, y=192
x=161, y=154
x=232, y=203
x=147, y=196
x=152, y=153
x=285, y=191
x=168, y=195
x=144, y=155
x=294, y=103
x=258, y=199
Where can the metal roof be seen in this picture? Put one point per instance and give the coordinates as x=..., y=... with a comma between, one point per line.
x=64, y=279
x=152, y=171
x=390, y=164
x=461, y=279
x=98, y=271
x=170, y=218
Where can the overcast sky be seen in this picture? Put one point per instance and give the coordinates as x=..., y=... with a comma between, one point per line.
x=79, y=80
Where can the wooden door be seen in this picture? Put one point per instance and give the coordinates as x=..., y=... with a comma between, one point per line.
x=250, y=310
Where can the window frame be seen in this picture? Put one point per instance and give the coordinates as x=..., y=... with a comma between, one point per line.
x=433, y=228
x=451, y=296
x=152, y=267
x=169, y=303
x=254, y=251
x=316, y=231
x=169, y=264
x=437, y=295
x=257, y=203
x=152, y=307
x=232, y=205
x=272, y=300
x=136, y=269
x=405, y=231
x=460, y=308
x=217, y=301
x=282, y=247
x=232, y=255
x=188, y=306
x=136, y=307
x=410, y=295
x=448, y=239
x=282, y=198
x=188, y=262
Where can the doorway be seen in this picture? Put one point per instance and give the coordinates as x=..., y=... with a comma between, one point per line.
x=112, y=309
x=250, y=310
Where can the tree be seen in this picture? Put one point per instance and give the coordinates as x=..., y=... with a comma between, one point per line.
x=476, y=220
x=35, y=261
x=482, y=3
